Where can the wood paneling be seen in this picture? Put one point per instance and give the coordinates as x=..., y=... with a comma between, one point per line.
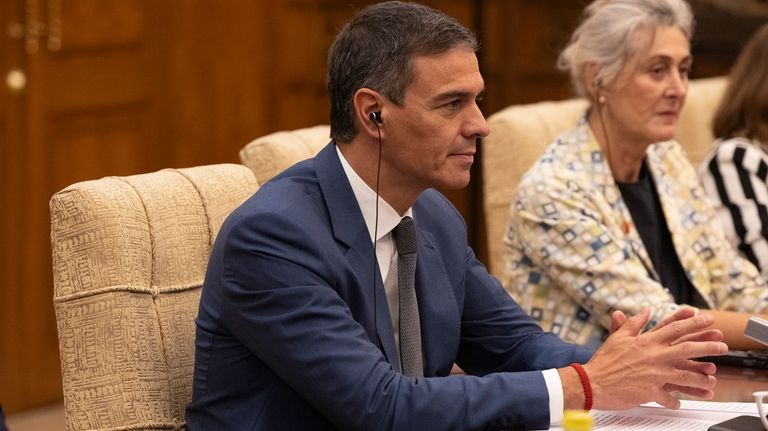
x=218, y=77
x=13, y=342
x=90, y=109
x=521, y=43
x=718, y=38
x=94, y=24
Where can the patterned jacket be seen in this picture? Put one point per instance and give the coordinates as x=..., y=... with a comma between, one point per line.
x=573, y=256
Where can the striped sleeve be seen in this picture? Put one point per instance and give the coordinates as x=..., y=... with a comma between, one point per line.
x=735, y=179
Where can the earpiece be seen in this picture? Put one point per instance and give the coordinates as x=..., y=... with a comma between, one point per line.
x=599, y=85
x=375, y=117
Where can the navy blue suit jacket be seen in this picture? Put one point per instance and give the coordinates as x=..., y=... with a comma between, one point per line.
x=286, y=337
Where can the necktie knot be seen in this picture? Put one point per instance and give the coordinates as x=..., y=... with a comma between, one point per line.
x=405, y=236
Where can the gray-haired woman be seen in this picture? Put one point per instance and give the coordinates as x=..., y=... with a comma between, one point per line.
x=612, y=216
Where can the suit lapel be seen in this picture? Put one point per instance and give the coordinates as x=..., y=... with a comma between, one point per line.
x=349, y=228
x=437, y=305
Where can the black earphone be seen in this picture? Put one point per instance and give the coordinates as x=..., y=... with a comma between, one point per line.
x=375, y=117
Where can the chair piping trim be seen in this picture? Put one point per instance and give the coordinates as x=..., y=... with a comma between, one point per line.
x=154, y=291
x=151, y=230
x=205, y=208
x=149, y=425
x=155, y=308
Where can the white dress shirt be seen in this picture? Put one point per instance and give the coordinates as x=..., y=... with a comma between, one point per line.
x=386, y=255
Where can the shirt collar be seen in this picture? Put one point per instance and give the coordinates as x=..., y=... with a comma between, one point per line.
x=366, y=200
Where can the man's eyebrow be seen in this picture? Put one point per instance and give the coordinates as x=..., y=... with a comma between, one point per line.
x=458, y=94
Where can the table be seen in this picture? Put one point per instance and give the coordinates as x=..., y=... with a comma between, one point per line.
x=738, y=383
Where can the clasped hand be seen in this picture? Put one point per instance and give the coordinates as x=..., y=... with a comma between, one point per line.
x=631, y=368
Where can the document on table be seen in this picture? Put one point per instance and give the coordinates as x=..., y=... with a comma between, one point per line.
x=692, y=416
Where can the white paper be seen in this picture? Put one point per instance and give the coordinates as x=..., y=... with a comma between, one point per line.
x=609, y=421
x=692, y=416
x=709, y=406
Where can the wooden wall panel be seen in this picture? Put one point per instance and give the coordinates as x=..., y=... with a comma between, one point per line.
x=115, y=77
x=89, y=110
x=521, y=43
x=93, y=24
x=299, y=77
x=12, y=359
x=108, y=142
x=219, y=73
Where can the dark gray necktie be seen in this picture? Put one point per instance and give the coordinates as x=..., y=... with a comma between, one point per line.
x=410, y=331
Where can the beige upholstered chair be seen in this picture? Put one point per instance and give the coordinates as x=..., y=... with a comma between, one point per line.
x=519, y=134
x=129, y=256
x=273, y=153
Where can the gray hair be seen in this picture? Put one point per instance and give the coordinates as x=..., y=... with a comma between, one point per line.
x=375, y=50
x=607, y=35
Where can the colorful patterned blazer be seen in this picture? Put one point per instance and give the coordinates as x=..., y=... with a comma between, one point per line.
x=572, y=255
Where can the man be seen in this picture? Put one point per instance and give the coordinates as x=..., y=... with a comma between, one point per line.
x=301, y=324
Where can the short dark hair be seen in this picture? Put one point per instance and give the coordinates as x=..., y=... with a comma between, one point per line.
x=375, y=50
x=743, y=110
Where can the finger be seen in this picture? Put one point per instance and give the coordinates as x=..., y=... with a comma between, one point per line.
x=706, y=394
x=668, y=401
x=706, y=335
x=618, y=318
x=707, y=368
x=635, y=324
x=677, y=329
x=689, y=379
x=694, y=349
x=680, y=314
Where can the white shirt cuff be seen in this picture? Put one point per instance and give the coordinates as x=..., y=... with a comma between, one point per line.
x=555, y=390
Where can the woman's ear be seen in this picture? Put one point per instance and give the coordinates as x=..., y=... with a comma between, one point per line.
x=368, y=114
x=593, y=83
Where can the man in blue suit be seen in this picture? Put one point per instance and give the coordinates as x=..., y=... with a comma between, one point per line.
x=297, y=327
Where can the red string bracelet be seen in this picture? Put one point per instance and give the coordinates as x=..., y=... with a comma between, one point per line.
x=585, y=384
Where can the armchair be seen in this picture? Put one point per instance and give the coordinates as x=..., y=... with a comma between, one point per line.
x=129, y=256
x=273, y=153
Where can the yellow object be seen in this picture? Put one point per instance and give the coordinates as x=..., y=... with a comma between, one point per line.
x=577, y=420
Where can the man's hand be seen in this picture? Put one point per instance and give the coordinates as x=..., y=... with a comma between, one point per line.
x=633, y=368
x=618, y=318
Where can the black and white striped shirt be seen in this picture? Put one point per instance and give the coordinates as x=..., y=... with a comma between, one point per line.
x=734, y=177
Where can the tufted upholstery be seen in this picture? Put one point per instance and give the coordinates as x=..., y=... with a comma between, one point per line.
x=273, y=153
x=520, y=133
x=129, y=256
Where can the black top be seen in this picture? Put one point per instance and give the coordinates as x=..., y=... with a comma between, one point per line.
x=648, y=217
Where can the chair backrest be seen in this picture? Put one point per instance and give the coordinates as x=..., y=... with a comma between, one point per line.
x=129, y=257
x=269, y=155
x=520, y=133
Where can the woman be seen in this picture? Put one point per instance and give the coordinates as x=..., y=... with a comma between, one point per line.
x=612, y=217
x=734, y=174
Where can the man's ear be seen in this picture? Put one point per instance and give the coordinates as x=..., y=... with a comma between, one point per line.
x=366, y=102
